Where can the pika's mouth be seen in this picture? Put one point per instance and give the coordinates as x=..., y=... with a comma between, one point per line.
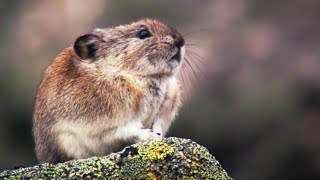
x=177, y=56
x=175, y=60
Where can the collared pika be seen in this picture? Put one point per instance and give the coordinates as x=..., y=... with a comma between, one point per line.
x=115, y=85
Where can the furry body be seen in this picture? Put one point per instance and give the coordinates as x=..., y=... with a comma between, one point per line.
x=90, y=104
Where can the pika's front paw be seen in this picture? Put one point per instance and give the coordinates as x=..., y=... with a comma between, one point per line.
x=147, y=135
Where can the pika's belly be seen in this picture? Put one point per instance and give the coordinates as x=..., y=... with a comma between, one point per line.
x=83, y=140
x=78, y=140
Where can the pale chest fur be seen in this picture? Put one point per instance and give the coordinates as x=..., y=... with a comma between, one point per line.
x=158, y=93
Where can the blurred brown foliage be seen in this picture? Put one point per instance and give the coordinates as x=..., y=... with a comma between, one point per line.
x=256, y=106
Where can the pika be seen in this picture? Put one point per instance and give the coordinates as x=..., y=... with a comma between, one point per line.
x=113, y=86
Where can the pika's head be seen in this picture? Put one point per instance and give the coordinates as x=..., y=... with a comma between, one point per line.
x=146, y=48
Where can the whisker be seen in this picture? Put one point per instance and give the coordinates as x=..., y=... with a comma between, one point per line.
x=185, y=76
x=192, y=56
x=191, y=44
x=190, y=66
x=200, y=66
x=195, y=64
x=189, y=78
x=194, y=45
x=197, y=31
x=190, y=51
x=182, y=77
x=196, y=57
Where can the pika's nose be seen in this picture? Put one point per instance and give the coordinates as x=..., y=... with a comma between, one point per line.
x=178, y=39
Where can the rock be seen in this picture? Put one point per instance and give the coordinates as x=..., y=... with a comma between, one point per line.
x=170, y=158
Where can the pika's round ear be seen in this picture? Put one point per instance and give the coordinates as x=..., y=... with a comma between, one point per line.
x=86, y=46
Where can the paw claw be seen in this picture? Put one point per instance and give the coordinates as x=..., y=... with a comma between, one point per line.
x=148, y=135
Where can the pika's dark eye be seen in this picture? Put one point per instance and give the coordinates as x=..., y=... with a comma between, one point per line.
x=144, y=33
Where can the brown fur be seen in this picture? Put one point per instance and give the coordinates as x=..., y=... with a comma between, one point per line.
x=129, y=79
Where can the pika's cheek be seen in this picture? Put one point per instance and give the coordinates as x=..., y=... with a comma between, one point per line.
x=156, y=57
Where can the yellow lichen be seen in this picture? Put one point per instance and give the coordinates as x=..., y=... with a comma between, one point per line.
x=194, y=164
x=99, y=165
x=151, y=176
x=156, y=150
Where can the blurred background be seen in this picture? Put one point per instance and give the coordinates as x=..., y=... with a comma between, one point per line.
x=253, y=94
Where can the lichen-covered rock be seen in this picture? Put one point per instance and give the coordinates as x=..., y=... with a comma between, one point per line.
x=170, y=158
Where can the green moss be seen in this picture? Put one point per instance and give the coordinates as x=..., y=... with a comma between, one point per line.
x=170, y=158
